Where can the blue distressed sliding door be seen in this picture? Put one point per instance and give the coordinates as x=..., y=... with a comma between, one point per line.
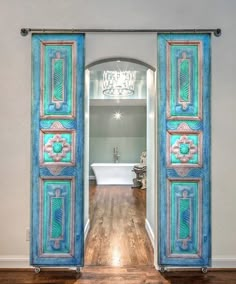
x=184, y=150
x=57, y=150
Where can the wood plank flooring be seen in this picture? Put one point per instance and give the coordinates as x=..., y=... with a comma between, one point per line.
x=115, y=275
x=118, y=236
x=196, y=277
x=89, y=275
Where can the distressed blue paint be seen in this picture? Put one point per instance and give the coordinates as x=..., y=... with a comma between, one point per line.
x=74, y=172
x=203, y=172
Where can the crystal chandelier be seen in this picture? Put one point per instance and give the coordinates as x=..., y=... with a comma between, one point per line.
x=118, y=83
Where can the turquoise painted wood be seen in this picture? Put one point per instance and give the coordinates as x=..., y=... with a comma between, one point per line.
x=184, y=150
x=57, y=230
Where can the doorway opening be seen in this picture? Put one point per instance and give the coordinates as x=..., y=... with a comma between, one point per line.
x=120, y=141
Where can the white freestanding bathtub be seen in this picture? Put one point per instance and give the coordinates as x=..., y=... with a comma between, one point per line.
x=114, y=173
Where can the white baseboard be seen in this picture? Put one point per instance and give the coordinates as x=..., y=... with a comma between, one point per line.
x=22, y=261
x=86, y=229
x=218, y=262
x=149, y=232
x=14, y=261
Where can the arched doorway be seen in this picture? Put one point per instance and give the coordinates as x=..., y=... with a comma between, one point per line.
x=142, y=98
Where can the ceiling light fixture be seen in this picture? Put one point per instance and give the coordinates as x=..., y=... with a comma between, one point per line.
x=117, y=115
x=118, y=83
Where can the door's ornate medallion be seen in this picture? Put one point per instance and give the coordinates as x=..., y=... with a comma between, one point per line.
x=57, y=147
x=184, y=149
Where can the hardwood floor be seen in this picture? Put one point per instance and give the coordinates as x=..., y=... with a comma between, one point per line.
x=115, y=275
x=118, y=236
x=89, y=275
x=196, y=277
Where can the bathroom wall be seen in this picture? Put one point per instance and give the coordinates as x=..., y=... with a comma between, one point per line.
x=106, y=132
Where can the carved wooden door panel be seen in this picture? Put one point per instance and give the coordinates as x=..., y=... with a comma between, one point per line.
x=184, y=150
x=57, y=150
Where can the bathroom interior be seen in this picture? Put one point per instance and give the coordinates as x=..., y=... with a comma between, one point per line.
x=120, y=135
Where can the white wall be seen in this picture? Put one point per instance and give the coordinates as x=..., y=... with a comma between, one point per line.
x=151, y=191
x=127, y=133
x=15, y=93
x=86, y=155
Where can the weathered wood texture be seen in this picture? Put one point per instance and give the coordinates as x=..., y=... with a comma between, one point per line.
x=118, y=236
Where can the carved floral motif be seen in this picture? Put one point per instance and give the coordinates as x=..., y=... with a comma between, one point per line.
x=184, y=149
x=57, y=148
